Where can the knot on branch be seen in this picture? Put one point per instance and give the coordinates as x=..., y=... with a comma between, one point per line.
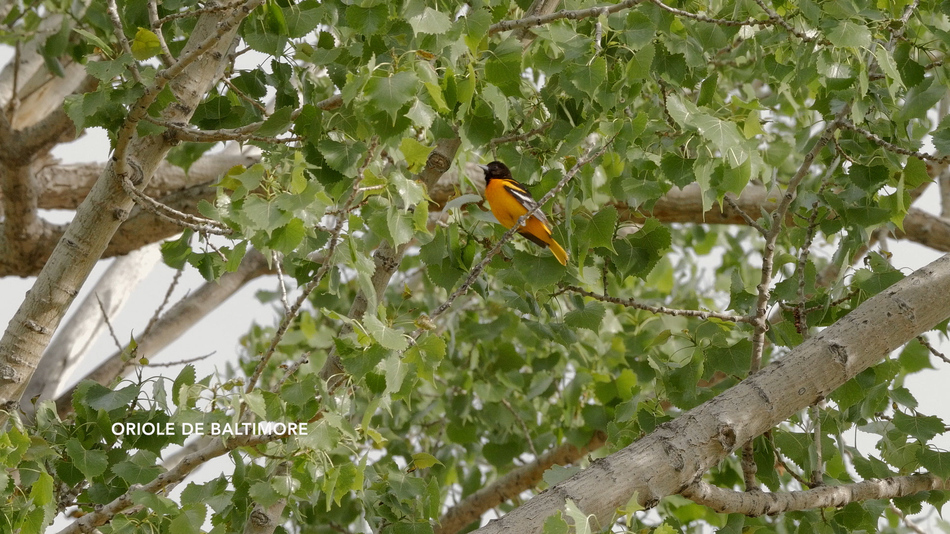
x=727, y=436
x=437, y=162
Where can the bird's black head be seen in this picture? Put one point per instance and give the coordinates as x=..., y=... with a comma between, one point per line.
x=495, y=169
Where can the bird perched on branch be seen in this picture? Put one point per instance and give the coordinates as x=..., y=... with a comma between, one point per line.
x=509, y=200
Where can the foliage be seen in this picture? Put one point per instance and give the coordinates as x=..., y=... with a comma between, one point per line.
x=721, y=94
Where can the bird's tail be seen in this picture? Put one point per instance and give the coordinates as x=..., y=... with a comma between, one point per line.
x=558, y=251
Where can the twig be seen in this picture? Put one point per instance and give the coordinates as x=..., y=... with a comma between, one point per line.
x=800, y=316
x=874, y=138
x=768, y=256
x=178, y=132
x=512, y=484
x=280, y=281
x=721, y=22
x=520, y=137
x=211, y=8
x=113, y=11
x=156, y=24
x=105, y=318
x=909, y=10
x=540, y=20
x=778, y=19
x=524, y=427
x=161, y=307
x=139, y=110
x=907, y=522
x=923, y=341
x=198, y=224
x=186, y=361
x=291, y=369
x=760, y=323
x=317, y=277
x=745, y=216
x=260, y=107
x=104, y=513
x=631, y=303
x=818, y=470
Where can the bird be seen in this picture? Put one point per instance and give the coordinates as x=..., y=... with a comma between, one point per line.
x=509, y=200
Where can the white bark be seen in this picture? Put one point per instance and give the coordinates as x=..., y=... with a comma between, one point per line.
x=85, y=326
x=757, y=503
x=667, y=461
x=107, y=205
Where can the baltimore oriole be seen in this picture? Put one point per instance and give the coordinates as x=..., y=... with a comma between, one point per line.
x=509, y=200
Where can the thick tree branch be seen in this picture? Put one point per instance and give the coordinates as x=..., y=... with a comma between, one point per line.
x=671, y=458
x=107, y=205
x=65, y=186
x=77, y=336
x=757, y=503
x=176, y=321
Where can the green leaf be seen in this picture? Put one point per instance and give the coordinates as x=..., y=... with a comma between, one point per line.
x=733, y=360
x=102, y=398
x=424, y=460
x=175, y=253
x=580, y=519
x=390, y=93
x=915, y=173
x=93, y=39
x=186, y=377
x=921, y=99
x=590, y=316
x=91, y=463
x=278, y=122
x=503, y=68
x=342, y=157
x=430, y=22
x=189, y=521
x=107, y=70
x=639, y=67
x=145, y=44
x=850, y=34
x=555, y=525
x=41, y=492
x=724, y=135
x=941, y=138
x=286, y=238
x=924, y=428
x=639, y=253
x=265, y=214
x=416, y=153
x=589, y=78
x=134, y=473
x=557, y=474
x=600, y=233
x=384, y=335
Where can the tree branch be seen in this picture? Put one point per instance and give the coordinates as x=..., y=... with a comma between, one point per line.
x=631, y=303
x=77, y=336
x=176, y=321
x=758, y=503
x=107, y=205
x=512, y=484
x=671, y=458
x=540, y=20
x=103, y=514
